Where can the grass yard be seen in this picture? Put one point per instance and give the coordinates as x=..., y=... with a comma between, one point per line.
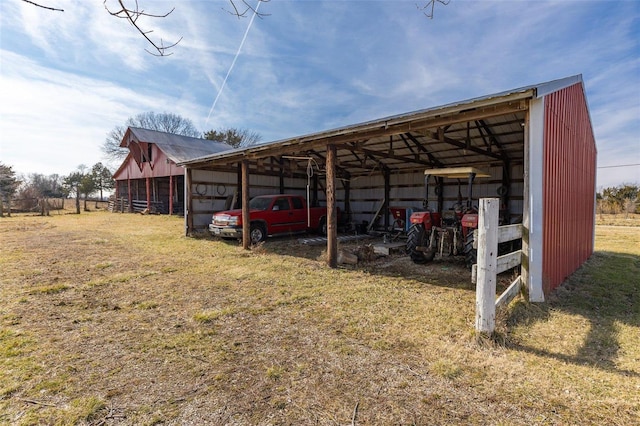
x=111, y=319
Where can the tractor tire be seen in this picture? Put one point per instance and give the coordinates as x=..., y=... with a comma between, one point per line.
x=470, y=254
x=418, y=237
x=258, y=233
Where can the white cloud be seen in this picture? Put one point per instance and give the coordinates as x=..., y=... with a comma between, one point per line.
x=52, y=120
x=310, y=65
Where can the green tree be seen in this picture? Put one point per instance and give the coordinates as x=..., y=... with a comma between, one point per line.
x=102, y=178
x=237, y=138
x=161, y=122
x=87, y=187
x=73, y=183
x=8, y=187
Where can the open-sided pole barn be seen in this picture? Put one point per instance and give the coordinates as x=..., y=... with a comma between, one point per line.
x=536, y=143
x=149, y=177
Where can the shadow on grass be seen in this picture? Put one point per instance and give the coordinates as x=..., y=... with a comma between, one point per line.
x=606, y=292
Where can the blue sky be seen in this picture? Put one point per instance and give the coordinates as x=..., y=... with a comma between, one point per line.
x=67, y=79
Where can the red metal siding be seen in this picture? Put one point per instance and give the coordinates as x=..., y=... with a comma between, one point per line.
x=569, y=185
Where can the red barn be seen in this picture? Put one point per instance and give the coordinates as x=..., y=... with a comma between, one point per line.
x=149, y=177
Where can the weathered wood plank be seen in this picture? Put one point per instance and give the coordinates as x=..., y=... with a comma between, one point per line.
x=510, y=293
x=508, y=261
x=503, y=263
x=487, y=255
x=505, y=233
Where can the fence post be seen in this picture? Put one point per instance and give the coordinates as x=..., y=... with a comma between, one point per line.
x=487, y=264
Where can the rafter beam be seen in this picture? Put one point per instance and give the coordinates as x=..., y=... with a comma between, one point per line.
x=462, y=145
x=432, y=159
x=377, y=155
x=482, y=125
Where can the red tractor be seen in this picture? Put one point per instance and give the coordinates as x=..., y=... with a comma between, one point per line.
x=448, y=232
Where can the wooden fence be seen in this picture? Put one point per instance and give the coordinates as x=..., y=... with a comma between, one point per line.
x=484, y=273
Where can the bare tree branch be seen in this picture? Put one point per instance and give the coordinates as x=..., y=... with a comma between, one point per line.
x=246, y=8
x=430, y=6
x=44, y=7
x=132, y=16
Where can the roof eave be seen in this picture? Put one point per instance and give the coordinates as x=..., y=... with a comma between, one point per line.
x=387, y=122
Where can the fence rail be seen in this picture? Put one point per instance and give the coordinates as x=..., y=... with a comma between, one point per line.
x=484, y=273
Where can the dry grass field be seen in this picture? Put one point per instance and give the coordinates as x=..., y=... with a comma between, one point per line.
x=622, y=219
x=114, y=319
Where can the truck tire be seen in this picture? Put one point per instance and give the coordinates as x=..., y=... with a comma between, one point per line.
x=470, y=254
x=257, y=233
x=322, y=227
x=418, y=237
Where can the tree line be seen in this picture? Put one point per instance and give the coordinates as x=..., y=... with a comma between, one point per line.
x=35, y=192
x=619, y=199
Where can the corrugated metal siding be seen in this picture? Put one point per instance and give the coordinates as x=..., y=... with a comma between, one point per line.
x=569, y=185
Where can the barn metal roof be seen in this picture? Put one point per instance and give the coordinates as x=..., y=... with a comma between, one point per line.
x=474, y=132
x=177, y=147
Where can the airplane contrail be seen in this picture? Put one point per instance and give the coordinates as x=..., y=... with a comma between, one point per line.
x=255, y=12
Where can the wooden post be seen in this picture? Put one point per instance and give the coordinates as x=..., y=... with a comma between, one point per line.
x=281, y=177
x=170, y=194
x=387, y=191
x=440, y=193
x=332, y=222
x=130, y=207
x=148, y=189
x=347, y=200
x=246, y=219
x=314, y=200
x=188, y=193
x=489, y=209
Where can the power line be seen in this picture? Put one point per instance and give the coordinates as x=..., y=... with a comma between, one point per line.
x=619, y=165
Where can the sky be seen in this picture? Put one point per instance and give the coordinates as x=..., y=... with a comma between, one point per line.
x=68, y=78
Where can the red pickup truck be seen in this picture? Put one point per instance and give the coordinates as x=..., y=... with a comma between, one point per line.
x=271, y=215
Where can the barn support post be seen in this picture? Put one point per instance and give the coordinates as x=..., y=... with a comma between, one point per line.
x=347, y=200
x=170, y=194
x=387, y=192
x=332, y=231
x=188, y=217
x=281, y=180
x=129, y=209
x=314, y=200
x=440, y=193
x=147, y=183
x=488, y=212
x=506, y=191
x=246, y=219
x=237, y=203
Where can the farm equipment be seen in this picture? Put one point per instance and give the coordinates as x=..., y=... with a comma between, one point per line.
x=448, y=232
